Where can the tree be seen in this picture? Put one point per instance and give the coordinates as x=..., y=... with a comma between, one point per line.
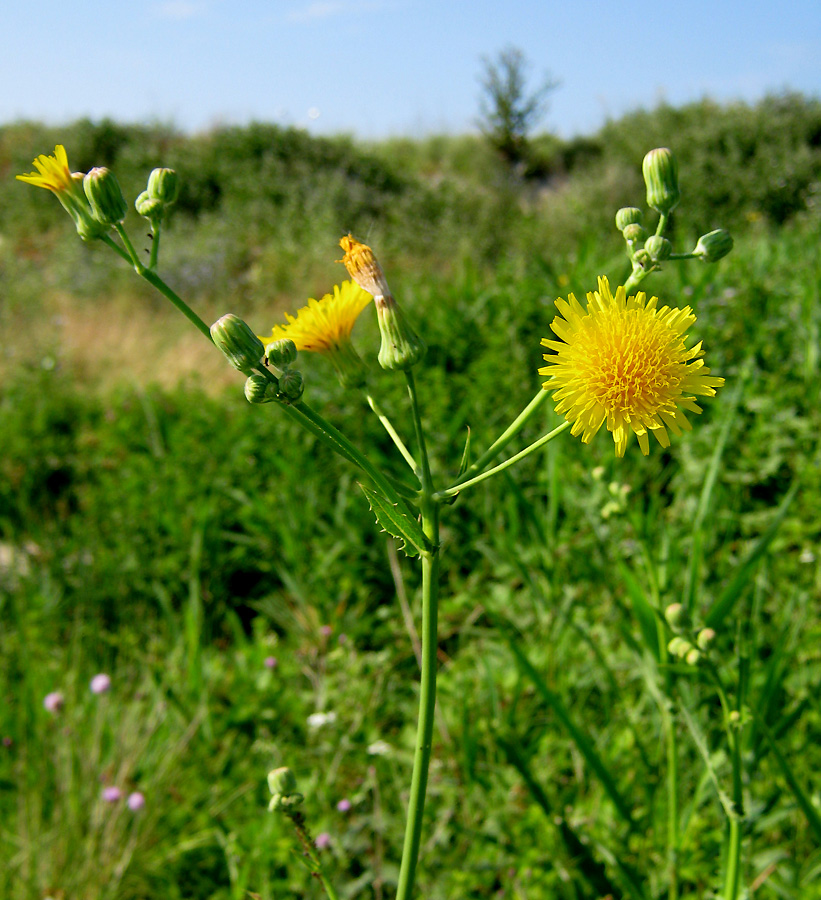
x=508, y=111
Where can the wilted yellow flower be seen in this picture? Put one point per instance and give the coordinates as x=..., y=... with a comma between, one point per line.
x=623, y=362
x=324, y=326
x=52, y=172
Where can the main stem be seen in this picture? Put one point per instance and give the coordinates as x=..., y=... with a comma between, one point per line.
x=427, y=684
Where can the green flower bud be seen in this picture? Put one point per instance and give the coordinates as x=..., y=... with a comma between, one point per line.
x=76, y=204
x=105, y=196
x=281, y=353
x=291, y=385
x=284, y=801
x=401, y=347
x=163, y=185
x=660, y=171
x=281, y=781
x=713, y=246
x=705, y=637
x=679, y=646
x=658, y=247
x=149, y=207
x=240, y=345
x=259, y=389
x=634, y=233
x=628, y=215
x=693, y=657
x=675, y=616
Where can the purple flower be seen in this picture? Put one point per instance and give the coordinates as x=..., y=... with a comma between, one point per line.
x=111, y=794
x=7, y=741
x=344, y=805
x=136, y=801
x=326, y=631
x=343, y=638
x=271, y=662
x=53, y=702
x=323, y=840
x=100, y=683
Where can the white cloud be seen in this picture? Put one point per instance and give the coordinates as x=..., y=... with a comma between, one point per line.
x=178, y=9
x=326, y=9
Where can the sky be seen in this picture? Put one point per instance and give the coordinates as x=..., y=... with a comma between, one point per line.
x=378, y=68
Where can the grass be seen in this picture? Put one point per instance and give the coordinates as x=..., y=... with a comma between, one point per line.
x=165, y=532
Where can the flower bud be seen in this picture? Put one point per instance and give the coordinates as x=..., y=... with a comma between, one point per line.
x=675, y=616
x=660, y=171
x=284, y=801
x=363, y=267
x=693, y=657
x=401, y=347
x=705, y=637
x=628, y=215
x=149, y=207
x=679, y=646
x=281, y=781
x=713, y=246
x=281, y=353
x=108, y=205
x=163, y=185
x=291, y=385
x=240, y=345
x=658, y=247
x=634, y=233
x=259, y=389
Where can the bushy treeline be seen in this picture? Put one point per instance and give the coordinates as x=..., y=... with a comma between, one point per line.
x=266, y=204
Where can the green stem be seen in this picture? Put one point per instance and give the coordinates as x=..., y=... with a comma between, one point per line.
x=107, y=239
x=388, y=426
x=427, y=683
x=664, y=218
x=461, y=485
x=156, y=282
x=155, y=245
x=733, y=877
x=427, y=704
x=672, y=805
x=132, y=253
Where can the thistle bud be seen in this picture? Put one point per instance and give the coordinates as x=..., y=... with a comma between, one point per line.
x=660, y=171
x=634, y=233
x=705, y=638
x=291, y=385
x=259, y=389
x=675, y=616
x=281, y=781
x=658, y=247
x=240, y=345
x=281, y=353
x=401, y=347
x=163, y=185
x=628, y=215
x=713, y=246
x=149, y=207
x=108, y=205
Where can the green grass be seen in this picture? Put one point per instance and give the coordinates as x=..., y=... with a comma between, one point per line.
x=177, y=538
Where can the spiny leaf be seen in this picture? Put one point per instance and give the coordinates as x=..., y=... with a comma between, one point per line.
x=396, y=522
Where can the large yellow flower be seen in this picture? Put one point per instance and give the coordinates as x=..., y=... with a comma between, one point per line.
x=324, y=326
x=623, y=362
x=52, y=172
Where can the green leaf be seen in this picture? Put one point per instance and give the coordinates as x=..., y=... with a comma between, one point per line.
x=397, y=522
x=463, y=466
x=643, y=610
x=725, y=603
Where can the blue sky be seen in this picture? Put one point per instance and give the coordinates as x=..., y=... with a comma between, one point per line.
x=385, y=67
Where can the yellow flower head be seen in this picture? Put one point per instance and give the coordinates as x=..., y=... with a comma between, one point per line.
x=324, y=326
x=623, y=361
x=52, y=172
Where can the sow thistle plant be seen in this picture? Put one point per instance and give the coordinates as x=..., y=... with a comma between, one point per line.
x=621, y=360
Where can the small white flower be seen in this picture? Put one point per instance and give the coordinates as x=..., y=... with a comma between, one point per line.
x=379, y=748
x=318, y=719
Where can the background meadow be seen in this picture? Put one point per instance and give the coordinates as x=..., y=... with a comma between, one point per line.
x=227, y=574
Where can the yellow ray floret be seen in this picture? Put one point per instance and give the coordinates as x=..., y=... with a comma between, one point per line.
x=52, y=172
x=623, y=362
x=323, y=325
